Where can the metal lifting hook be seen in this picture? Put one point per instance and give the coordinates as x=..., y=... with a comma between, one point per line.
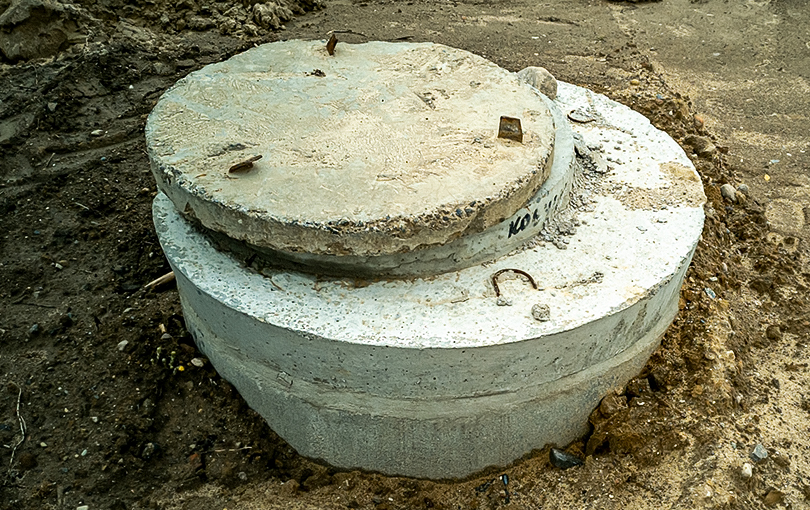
x=518, y=271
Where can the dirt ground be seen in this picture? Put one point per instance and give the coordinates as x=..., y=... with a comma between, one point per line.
x=101, y=404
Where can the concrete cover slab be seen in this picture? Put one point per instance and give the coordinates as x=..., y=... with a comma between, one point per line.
x=382, y=148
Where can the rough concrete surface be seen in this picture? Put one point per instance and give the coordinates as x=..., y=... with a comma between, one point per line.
x=94, y=362
x=431, y=377
x=393, y=146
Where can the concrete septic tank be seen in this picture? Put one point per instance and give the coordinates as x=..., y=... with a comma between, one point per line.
x=391, y=285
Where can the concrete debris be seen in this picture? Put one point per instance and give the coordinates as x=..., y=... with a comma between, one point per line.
x=541, y=79
x=541, y=312
x=502, y=301
x=271, y=15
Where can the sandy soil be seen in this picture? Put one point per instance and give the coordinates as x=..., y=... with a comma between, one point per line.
x=94, y=406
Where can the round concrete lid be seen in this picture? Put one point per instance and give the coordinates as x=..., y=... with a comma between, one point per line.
x=381, y=148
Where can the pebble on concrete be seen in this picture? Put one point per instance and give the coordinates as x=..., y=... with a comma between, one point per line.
x=541, y=312
x=502, y=301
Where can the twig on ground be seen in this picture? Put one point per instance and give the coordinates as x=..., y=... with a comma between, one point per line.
x=41, y=305
x=233, y=449
x=20, y=439
x=166, y=278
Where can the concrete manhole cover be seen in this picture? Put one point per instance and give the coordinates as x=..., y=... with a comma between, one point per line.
x=393, y=286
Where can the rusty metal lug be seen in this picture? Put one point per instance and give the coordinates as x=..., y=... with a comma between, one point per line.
x=510, y=129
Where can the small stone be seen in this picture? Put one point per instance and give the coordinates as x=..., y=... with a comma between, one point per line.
x=52, y=106
x=198, y=362
x=148, y=450
x=122, y=345
x=728, y=192
x=97, y=132
x=759, y=454
x=660, y=377
x=58, y=266
x=83, y=507
x=743, y=188
x=781, y=460
x=541, y=312
x=165, y=336
x=773, y=498
x=640, y=386
x=319, y=479
x=200, y=23
x=747, y=471
x=710, y=293
x=701, y=145
x=43, y=444
x=634, y=82
x=612, y=404
x=773, y=332
x=502, y=301
x=289, y=488
x=34, y=329
x=541, y=79
x=563, y=460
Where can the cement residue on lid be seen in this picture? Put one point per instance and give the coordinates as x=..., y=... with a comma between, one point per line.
x=381, y=148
